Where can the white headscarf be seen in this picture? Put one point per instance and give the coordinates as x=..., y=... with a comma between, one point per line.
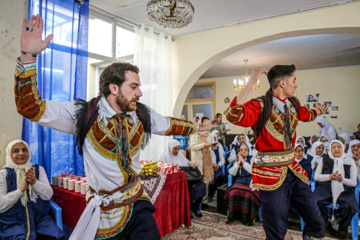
x=337, y=187
x=327, y=130
x=310, y=140
x=346, y=137
x=352, y=143
x=316, y=158
x=20, y=171
x=302, y=139
x=302, y=146
x=168, y=157
x=214, y=133
x=326, y=144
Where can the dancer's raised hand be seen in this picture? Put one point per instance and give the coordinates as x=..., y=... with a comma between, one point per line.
x=31, y=43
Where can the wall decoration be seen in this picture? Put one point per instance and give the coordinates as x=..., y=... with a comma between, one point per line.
x=227, y=100
x=312, y=97
x=334, y=116
x=328, y=104
x=335, y=108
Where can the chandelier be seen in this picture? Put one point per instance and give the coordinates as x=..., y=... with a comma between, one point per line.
x=170, y=13
x=240, y=83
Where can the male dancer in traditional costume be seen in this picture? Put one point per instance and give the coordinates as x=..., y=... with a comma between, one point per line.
x=280, y=179
x=111, y=129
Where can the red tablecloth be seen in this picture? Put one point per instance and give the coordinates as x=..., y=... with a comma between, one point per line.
x=172, y=204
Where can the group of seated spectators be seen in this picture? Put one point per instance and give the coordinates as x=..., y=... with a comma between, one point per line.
x=333, y=165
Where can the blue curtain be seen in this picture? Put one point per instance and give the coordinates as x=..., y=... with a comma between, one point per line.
x=62, y=76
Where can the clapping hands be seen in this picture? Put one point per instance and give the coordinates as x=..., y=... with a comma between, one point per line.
x=336, y=176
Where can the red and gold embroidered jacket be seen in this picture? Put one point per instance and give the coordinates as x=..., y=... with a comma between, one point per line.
x=271, y=138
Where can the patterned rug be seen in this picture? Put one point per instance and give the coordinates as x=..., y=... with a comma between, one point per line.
x=212, y=226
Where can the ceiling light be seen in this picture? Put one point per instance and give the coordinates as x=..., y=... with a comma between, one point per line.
x=170, y=13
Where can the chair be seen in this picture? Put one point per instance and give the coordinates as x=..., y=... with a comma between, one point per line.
x=226, y=152
x=355, y=219
x=57, y=212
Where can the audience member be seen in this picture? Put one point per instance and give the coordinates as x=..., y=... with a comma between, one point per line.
x=24, y=197
x=200, y=146
x=316, y=153
x=197, y=190
x=357, y=133
x=218, y=161
x=326, y=129
x=242, y=202
x=311, y=141
x=345, y=139
x=336, y=180
x=221, y=128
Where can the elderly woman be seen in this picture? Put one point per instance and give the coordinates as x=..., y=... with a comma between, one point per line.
x=197, y=190
x=243, y=203
x=326, y=143
x=299, y=155
x=235, y=146
x=336, y=176
x=301, y=140
x=316, y=153
x=24, y=195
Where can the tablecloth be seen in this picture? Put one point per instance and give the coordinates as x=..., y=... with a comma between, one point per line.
x=172, y=204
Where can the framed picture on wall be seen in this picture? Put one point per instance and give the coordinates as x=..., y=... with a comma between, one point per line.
x=328, y=104
x=334, y=116
x=335, y=108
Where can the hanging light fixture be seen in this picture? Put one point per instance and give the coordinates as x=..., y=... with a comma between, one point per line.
x=170, y=13
x=240, y=83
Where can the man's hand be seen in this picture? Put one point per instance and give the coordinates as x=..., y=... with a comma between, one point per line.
x=30, y=40
x=207, y=126
x=30, y=176
x=321, y=109
x=255, y=75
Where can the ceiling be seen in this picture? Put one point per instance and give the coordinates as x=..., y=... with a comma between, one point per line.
x=332, y=50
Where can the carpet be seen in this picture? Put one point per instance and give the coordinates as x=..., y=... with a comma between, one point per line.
x=212, y=226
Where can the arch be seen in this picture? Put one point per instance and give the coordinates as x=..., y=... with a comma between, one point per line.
x=217, y=56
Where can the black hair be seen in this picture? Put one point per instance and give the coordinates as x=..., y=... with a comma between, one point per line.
x=278, y=73
x=115, y=73
x=203, y=119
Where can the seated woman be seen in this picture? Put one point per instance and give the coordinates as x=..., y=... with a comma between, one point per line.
x=235, y=147
x=24, y=195
x=216, y=134
x=336, y=180
x=197, y=190
x=326, y=143
x=316, y=153
x=345, y=139
x=243, y=203
x=312, y=139
x=305, y=163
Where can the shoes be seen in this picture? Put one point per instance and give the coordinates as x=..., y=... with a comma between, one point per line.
x=204, y=206
x=191, y=216
x=342, y=236
x=198, y=213
x=210, y=199
x=332, y=231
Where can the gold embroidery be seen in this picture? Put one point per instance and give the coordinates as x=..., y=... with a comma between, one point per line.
x=122, y=221
x=274, y=186
x=41, y=112
x=99, y=148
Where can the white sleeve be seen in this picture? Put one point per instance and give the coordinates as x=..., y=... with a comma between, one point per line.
x=247, y=167
x=159, y=124
x=353, y=175
x=233, y=156
x=42, y=186
x=7, y=200
x=318, y=175
x=234, y=169
x=221, y=154
x=59, y=116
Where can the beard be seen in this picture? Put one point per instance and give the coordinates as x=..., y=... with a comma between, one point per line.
x=124, y=104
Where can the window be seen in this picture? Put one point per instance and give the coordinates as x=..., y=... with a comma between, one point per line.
x=109, y=42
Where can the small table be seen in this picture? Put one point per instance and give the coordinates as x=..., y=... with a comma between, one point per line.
x=172, y=204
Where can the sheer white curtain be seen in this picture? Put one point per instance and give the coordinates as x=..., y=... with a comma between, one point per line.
x=153, y=57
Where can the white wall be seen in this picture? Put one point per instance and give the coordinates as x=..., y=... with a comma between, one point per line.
x=11, y=15
x=194, y=53
x=339, y=85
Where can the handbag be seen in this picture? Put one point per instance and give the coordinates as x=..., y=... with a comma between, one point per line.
x=192, y=174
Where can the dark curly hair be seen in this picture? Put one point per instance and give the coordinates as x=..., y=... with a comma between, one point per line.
x=115, y=73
